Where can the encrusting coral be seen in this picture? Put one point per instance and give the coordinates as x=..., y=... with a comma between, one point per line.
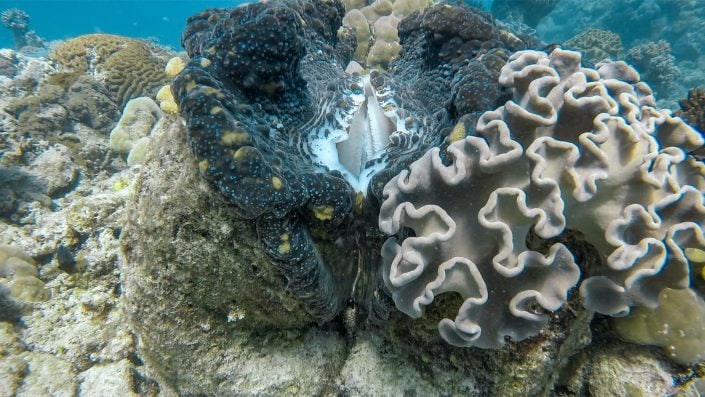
x=577, y=151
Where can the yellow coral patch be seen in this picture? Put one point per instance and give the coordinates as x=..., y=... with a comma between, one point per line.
x=277, y=183
x=174, y=66
x=166, y=100
x=169, y=107
x=323, y=213
x=458, y=132
x=215, y=110
x=203, y=165
x=235, y=138
x=164, y=94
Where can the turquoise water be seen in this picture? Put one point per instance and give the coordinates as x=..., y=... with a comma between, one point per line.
x=60, y=20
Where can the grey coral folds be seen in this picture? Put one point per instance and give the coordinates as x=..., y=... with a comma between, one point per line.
x=576, y=149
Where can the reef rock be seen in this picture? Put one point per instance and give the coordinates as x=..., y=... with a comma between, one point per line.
x=200, y=291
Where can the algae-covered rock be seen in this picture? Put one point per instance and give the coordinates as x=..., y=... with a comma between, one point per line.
x=132, y=68
x=677, y=325
x=113, y=379
x=200, y=292
x=618, y=370
x=46, y=375
x=56, y=169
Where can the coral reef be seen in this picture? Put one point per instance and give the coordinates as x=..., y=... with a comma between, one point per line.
x=578, y=174
x=8, y=63
x=77, y=114
x=642, y=21
x=17, y=21
x=596, y=45
x=131, y=68
x=655, y=63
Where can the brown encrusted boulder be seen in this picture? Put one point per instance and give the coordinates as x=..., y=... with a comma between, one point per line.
x=201, y=294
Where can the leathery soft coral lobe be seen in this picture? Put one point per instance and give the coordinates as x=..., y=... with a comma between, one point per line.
x=576, y=151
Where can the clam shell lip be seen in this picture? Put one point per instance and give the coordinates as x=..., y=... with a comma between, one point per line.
x=355, y=130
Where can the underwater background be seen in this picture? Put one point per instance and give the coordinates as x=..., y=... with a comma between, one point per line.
x=352, y=198
x=159, y=20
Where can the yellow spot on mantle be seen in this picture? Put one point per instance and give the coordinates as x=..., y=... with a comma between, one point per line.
x=235, y=137
x=240, y=153
x=205, y=62
x=359, y=198
x=458, y=132
x=190, y=85
x=284, y=247
x=323, y=213
x=216, y=110
x=203, y=165
x=276, y=182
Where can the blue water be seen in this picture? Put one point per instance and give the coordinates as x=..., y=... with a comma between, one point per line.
x=59, y=20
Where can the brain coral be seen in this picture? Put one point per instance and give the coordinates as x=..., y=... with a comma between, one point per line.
x=576, y=151
x=292, y=140
x=131, y=68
